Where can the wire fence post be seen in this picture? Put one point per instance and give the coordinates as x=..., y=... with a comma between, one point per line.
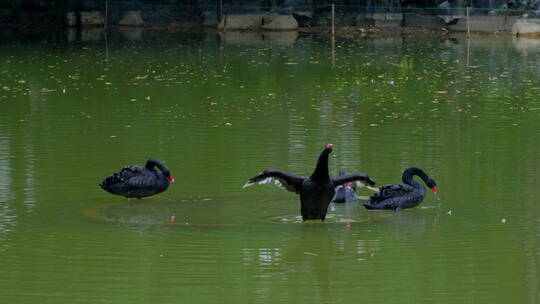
x=106, y=15
x=468, y=52
x=333, y=51
x=333, y=18
x=468, y=24
x=220, y=10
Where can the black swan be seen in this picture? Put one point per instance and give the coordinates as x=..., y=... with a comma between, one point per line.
x=406, y=195
x=138, y=181
x=315, y=191
x=346, y=192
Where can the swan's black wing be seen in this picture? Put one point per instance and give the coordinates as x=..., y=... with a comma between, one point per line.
x=390, y=192
x=284, y=180
x=135, y=181
x=360, y=179
x=144, y=179
x=341, y=173
x=127, y=173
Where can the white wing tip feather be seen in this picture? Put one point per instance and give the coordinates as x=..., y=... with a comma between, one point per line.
x=278, y=183
x=360, y=184
x=267, y=180
x=247, y=185
x=376, y=189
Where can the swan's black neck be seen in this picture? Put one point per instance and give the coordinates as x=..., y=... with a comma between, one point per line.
x=321, y=170
x=412, y=171
x=154, y=162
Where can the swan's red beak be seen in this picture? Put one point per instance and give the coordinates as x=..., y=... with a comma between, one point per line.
x=434, y=190
x=329, y=146
x=171, y=179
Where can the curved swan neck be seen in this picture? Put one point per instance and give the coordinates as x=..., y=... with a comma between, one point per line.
x=412, y=171
x=321, y=169
x=154, y=162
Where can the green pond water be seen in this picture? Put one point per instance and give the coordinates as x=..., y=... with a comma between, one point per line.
x=217, y=109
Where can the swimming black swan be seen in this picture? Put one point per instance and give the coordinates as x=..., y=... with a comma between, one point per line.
x=315, y=191
x=406, y=195
x=138, y=181
x=346, y=192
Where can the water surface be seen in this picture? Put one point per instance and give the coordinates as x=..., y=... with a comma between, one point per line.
x=220, y=108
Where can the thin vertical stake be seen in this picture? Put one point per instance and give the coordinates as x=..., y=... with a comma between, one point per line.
x=106, y=14
x=468, y=52
x=333, y=18
x=468, y=24
x=106, y=46
x=220, y=10
x=333, y=51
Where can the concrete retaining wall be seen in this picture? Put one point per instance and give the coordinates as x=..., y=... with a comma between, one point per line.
x=526, y=28
x=268, y=22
